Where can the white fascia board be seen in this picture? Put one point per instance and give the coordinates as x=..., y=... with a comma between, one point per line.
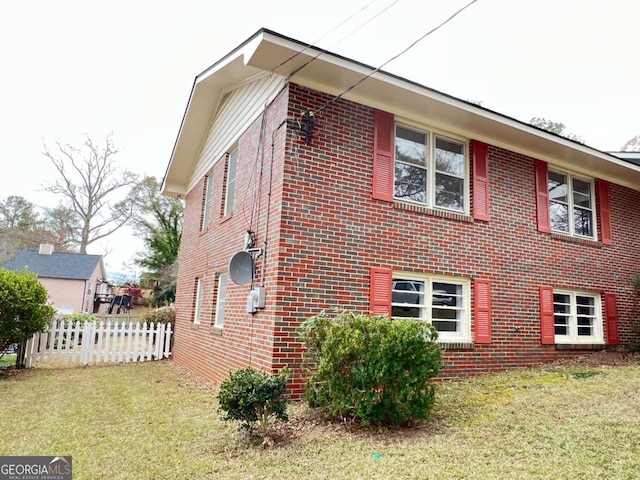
x=202, y=105
x=269, y=52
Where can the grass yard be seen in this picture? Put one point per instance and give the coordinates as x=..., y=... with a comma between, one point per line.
x=149, y=421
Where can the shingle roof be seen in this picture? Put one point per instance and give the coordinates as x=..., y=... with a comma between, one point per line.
x=71, y=266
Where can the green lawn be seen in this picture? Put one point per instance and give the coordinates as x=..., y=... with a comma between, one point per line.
x=149, y=421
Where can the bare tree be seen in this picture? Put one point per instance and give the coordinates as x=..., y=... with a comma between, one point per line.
x=632, y=145
x=558, y=128
x=62, y=226
x=102, y=196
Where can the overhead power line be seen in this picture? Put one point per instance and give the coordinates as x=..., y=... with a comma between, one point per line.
x=325, y=35
x=433, y=30
x=322, y=52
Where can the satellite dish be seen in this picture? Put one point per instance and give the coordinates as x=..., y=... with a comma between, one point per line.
x=241, y=268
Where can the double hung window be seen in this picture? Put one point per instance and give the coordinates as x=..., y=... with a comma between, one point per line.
x=221, y=300
x=430, y=169
x=577, y=317
x=571, y=204
x=442, y=302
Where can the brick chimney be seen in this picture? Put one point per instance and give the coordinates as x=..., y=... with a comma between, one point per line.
x=45, y=249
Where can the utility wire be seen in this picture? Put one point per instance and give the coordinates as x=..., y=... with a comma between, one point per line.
x=322, y=52
x=433, y=30
x=324, y=35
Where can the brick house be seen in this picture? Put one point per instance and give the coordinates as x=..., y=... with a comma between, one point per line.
x=394, y=198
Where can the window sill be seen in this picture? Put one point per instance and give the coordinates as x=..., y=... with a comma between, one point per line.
x=461, y=345
x=226, y=218
x=580, y=346
x=580, y=241
x=195, y=326
x=216, y=330
x=414, y=207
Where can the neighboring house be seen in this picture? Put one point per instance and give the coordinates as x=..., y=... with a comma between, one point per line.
x=71, y=279
x=390, y=197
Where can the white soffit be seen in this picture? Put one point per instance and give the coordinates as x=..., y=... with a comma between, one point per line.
x=334, y=74
x=267, y=51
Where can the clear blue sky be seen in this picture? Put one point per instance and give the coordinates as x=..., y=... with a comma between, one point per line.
x=127, y=67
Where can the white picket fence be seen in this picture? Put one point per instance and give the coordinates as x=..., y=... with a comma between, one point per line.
x=107, y=341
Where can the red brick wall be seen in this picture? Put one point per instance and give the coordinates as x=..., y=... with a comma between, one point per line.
x=333, y=232
x=245, y=339
x=326, y=232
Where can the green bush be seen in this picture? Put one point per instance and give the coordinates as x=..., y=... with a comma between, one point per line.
x=81, y=318
x=254, y=397
x=160, y=315
x=23, y=307
x=373, y=369
x=633, y=346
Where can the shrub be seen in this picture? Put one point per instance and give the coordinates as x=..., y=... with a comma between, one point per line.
x=23, y=307
x=373, y=369
x=633, y=346
x=254, y=397
x=81, y=318
x=160, y=315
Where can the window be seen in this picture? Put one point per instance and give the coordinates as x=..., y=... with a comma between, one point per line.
x=230, y=184
x=197, y=301
x=442, y=302
x=571, y=204
x=89, y=288
x=206, y=203
x=577, y=317
x=221, y=301
x=430, y=169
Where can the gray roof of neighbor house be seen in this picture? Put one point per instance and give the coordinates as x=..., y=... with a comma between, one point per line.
x=70, y=266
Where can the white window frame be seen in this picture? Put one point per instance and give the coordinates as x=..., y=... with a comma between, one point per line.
x=231, y=169
x=598, y=323
x=464, y=335
x=206, y=214
x=432, y=135
x=198, y=301
x=221, y=300
x=570, y=204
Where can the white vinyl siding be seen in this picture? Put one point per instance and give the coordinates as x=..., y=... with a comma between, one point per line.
x=239, y=109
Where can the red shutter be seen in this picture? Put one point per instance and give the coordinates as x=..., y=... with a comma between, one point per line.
x=380, y=292
x=542, y=196
x=480, y=180
x=482, y=310
x=547, y=327
x=383, y=155
x=605, y=213
x=611, y=316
